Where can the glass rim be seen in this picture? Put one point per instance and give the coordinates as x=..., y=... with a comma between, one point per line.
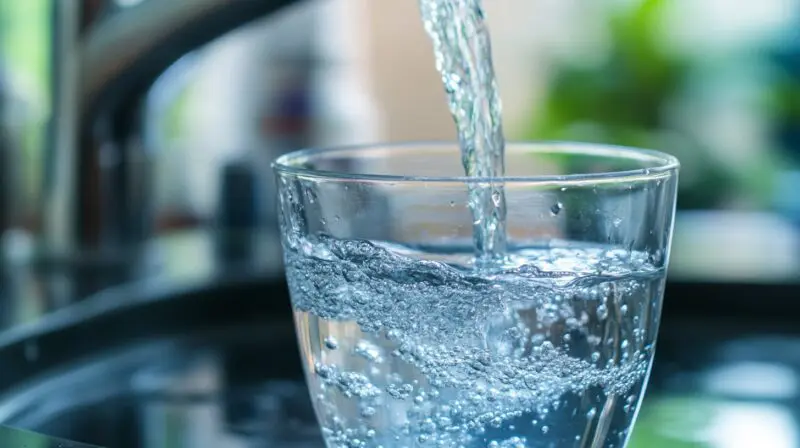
x=664, y=165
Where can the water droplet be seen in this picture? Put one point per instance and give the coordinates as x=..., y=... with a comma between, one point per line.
x=337, y=218
x=452, y=203
x=556, y=208
x=331, y=343
x=323, y=221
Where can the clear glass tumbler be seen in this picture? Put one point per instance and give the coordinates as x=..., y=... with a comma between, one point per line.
x=407, y=342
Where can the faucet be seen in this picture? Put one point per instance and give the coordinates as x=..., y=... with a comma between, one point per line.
x=96, y=205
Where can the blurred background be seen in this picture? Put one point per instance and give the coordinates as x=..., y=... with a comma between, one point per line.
x=716, y=84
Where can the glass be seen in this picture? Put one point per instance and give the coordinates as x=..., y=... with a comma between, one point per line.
x=405, y=342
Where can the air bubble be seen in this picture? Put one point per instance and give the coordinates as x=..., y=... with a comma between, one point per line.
x=602, y=312
x=556, y=208
x=331, y=343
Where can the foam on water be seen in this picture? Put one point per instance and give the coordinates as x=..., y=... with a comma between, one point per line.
x=409, y=352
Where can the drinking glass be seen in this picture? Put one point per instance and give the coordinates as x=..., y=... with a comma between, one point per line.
x=407, y=341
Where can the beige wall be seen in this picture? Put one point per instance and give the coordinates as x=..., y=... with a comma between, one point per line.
x=404, y=80
x=404, y=77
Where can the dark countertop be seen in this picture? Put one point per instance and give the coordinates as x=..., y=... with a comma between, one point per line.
x=727, y=345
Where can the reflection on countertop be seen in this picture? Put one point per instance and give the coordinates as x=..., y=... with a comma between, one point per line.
x=18, y=438
x=741, y=392
x=182, y=261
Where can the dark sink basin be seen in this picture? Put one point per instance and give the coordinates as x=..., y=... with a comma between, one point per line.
x=217, y=366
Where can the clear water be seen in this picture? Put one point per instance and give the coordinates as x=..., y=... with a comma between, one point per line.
x=553, y=350
x=464, y=59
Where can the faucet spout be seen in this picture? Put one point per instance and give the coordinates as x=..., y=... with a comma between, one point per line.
x=94, y=202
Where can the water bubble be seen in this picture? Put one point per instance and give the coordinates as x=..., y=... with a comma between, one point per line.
x=623, y=309
x=556, y=208
x=452, y=203
x=602, y=312
x=368, y=351
x=497, y=198
x=545, y=429
x=595, y=356
x=400, y=392
x=331, y=343
x=311, y=195
x=592, y=412
x=624, y=345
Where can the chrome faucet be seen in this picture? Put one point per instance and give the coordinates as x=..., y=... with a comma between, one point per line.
x=96, y=203
x=91, y=214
